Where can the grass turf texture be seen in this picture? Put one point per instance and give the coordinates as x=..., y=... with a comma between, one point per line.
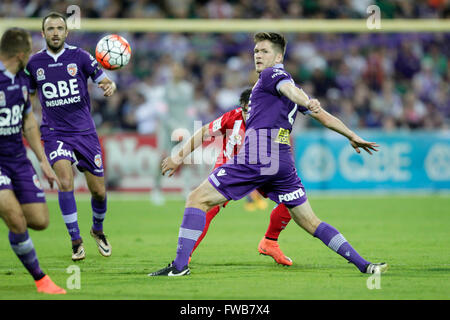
x=411, y=233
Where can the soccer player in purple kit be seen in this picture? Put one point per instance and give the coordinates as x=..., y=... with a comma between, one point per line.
x=60, y=73
x=22, y=200
x=266, y=161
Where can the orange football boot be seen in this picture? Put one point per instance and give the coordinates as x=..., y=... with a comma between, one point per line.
x=46, y=285
x=271, y=248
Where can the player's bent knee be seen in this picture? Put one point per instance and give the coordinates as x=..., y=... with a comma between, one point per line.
x=40, y=223
x=194, y=199
x=198, y=199
x=99, y=194
x=36, y=215
x=17, y=223
x=66, y=184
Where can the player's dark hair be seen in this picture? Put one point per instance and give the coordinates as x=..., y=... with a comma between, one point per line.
x=245, y=97
x=54, y=15
x=14, y=41
x=278, y=40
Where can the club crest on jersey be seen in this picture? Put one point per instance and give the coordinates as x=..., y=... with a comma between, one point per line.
x=2, y=99
x=72, y=69
x=98, y=160
x=25, y=93
x=40, y=74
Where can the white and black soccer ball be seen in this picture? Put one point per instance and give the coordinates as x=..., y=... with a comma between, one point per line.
x=113, y=52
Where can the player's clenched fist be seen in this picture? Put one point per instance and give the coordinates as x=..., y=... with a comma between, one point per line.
x=314, y=105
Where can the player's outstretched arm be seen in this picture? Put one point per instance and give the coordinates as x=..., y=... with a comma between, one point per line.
x=108, y=86
x=335, y=124
x=172, y=163
x=32, y=134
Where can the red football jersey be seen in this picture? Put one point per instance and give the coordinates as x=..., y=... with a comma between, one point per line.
x=232, y=127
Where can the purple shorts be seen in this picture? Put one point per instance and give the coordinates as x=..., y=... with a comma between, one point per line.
x=83, y=150
x=18, y=175
x=282, y=185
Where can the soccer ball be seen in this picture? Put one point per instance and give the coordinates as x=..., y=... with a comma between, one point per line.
x=113, y=52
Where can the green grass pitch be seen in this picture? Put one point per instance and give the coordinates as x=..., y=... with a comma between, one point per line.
x=411, y=233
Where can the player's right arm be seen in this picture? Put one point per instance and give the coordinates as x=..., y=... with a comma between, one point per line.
x=172, y=163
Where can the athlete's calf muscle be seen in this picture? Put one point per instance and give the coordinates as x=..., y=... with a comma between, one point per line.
x=304, y=216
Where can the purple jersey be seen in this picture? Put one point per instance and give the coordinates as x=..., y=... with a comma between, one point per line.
x=271, y=116
x=260, y=164
x=14, y=104
x=61, y=81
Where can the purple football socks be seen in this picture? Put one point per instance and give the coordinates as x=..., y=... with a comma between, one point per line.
x=336, y=242
x=24, y=249
x=98, y=214
x=68, y=208
x=191, y=228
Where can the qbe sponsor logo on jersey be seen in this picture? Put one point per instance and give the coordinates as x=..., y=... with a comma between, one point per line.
x=61, y=89
x=63, y=93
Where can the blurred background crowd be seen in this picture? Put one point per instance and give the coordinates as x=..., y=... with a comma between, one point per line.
x=231, y=9
x=369, y=80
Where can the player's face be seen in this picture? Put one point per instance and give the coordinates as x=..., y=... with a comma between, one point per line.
x=55, y=33
x=265, y=55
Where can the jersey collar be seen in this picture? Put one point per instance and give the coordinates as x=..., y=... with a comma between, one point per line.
x=6, y=72
x=56, y=56
x=279, y=66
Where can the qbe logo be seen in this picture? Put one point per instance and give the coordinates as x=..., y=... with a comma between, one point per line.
x=61, y=89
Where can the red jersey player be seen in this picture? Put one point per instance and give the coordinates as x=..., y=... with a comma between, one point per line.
x=231, y=127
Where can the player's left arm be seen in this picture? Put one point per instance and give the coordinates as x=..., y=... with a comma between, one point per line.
x=335, y=124
x=33, y=135
x=108, y=86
